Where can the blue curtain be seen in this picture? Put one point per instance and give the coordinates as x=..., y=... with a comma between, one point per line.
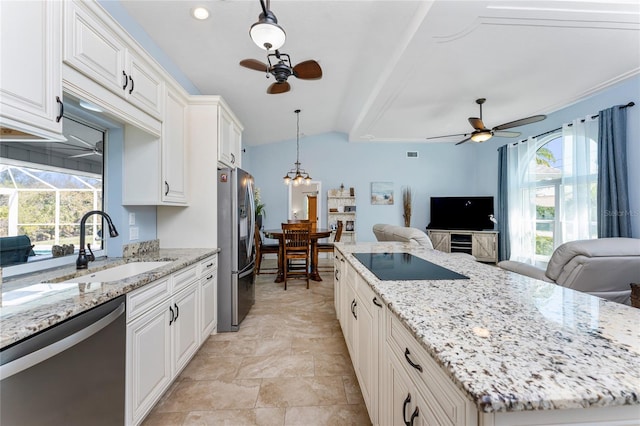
x=504, y=248
x=614, y=218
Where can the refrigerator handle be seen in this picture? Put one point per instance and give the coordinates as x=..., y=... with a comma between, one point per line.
x=252, y=219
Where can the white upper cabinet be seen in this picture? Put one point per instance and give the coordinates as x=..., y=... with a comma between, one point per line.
x=174, y=149
x=30, y=69
x=229, y=139
x=101, y=54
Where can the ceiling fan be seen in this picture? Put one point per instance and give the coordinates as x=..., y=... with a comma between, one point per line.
x=481, y=133
x=281, y=70
x=90, y=149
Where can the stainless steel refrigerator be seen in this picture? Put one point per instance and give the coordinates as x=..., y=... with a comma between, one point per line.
x=236, y=260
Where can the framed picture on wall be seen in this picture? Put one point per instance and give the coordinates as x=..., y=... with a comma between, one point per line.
x=382, y=193
x=349, y=226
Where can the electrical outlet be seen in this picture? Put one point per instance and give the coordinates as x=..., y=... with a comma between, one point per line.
x=133, y=233
x=132, y=218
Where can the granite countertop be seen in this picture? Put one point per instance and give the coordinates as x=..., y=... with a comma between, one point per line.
x=53, y=301
x=513, y=343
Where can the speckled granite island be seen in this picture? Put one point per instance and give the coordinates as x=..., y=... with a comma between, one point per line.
x=49, y=306
x=496, y=348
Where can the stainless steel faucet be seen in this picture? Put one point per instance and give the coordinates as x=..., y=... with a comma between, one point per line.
x=83, y=259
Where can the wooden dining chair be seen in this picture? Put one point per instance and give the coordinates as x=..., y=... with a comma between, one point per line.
x=262, y=249
x=328, y=247
x=296, y=241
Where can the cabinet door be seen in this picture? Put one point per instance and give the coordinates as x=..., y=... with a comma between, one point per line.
x=338, y=271
x=208, y=305
x=366, y=340
x=484, y=247
x=30, y=66
x=228, y=140
x=145, y=89
x=93, y=50
x=148, y=361
x=349, y=311
x=405, y=404
x=441, y=241
x=185, y=327
x=174, y=182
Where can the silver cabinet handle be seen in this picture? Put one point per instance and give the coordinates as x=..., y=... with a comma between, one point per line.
x=54, y=349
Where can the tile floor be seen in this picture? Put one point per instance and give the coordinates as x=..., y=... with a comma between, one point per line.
x=288, y=365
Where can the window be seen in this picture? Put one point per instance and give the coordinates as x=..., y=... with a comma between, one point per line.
x=46, y=187
x=553, y=191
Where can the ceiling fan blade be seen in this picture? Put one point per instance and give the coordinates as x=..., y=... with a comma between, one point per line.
x=476, y=123
x=254, y=64
x=81, y=141
x=506, y=134
x=308, y=70
x=277, y=88
x=448, y=136
x=520, y=122
x=464, y=140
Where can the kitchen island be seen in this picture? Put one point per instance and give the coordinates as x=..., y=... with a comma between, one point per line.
x=503, y=348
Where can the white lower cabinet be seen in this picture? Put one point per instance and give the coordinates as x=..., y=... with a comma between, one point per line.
x=164, y=324
x=361, y=314
x=208, y=293
x=184, y=331
x=148, y=361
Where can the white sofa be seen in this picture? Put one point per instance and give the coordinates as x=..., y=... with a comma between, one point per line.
x=602, y=267
x=385, y=232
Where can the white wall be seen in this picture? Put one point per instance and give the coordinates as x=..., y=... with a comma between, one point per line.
x=440, y=169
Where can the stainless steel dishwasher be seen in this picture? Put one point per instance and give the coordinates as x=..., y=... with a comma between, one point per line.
x=70, y=374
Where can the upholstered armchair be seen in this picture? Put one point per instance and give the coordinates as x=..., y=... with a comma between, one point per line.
x=602, y=267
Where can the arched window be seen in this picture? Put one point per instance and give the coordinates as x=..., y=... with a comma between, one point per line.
x=553, y=198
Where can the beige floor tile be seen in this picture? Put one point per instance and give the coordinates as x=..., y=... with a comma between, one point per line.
x=288, y=364
x=301, y=391
x=256, y=416
x=336, y=415
x=352, y=389
x=210, y=367
x=276, y=366
x=316, y=345
x=164, y=419
x=207, y=395
x=332, y=365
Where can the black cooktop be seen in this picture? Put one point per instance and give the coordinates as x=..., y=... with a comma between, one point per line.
x=405, y=266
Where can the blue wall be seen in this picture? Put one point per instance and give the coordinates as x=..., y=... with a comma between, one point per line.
x=440, y=169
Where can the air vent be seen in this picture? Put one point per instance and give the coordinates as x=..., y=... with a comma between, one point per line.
x=412, y=154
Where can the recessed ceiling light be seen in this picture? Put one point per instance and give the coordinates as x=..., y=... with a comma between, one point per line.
x=200, y=13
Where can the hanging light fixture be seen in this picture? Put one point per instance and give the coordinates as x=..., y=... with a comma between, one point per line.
x=266, y=33
x=297, y=175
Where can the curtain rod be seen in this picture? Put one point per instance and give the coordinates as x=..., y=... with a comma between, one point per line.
x=630, y=104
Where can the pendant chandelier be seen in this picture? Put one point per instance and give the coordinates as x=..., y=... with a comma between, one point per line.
x=297, y=175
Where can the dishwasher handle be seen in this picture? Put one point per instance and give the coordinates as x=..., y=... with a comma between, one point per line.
x=27, y=361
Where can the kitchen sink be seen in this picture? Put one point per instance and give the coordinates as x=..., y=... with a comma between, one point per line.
x=118, y=273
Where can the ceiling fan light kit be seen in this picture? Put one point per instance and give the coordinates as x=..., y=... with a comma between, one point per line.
x=482, y=134
x=266, y=33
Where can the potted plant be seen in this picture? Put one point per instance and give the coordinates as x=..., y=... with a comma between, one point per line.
x=260, y=212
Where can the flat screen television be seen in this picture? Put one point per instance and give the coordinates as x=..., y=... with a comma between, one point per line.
x=470, y=213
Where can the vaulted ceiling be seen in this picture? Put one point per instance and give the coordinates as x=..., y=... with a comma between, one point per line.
x=400, y=70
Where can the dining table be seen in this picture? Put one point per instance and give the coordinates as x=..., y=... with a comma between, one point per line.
x=314, y=236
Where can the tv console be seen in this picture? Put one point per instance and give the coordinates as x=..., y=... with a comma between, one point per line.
x=483, y=245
